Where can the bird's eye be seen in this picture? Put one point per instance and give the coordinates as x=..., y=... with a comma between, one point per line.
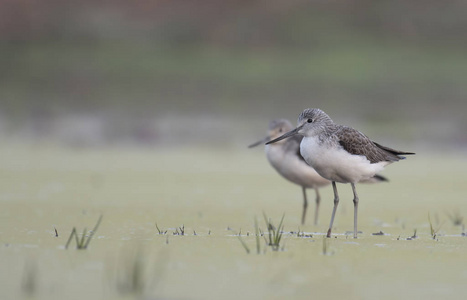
x=280, y=129
x=310, y=120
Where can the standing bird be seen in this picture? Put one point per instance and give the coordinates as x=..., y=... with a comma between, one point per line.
x=285, y=157
x=340, y=153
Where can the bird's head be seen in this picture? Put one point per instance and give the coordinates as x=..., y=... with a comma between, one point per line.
x=311, y=122
x=276, y=128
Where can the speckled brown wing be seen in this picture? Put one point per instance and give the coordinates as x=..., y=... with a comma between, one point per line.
x=355, y=142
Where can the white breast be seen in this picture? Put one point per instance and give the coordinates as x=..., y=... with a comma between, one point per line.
x=290, y=166
x=336, y=164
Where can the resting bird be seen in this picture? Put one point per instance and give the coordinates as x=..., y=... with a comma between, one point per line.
x=285, y=157
x=339, y=153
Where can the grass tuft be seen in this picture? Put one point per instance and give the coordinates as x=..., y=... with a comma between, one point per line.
x=300, y=234
x=433, y=231
x=258, y=245
x=275, y=233
x=273, y=239
x=161, y=232
x=180, y=230
x=83, y=243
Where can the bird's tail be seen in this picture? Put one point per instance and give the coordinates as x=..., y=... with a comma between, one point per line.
x=375, y=179
x=395, y=152
x=378, y=177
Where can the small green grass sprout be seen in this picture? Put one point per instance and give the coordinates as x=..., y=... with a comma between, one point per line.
x=433, y=231
x=273, y=239
x=275, y=233
x=161, y=232
x=83, y=243
x=258, y=246
x=179, y=230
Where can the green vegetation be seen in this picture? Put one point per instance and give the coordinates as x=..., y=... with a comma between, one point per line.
x=179, y=230
x=272, y=238
x=160, y=231
x=407, y=80
x=433, y=231
x=143, y=110
x=49, y=185
x=274, y=235
x=83, y=243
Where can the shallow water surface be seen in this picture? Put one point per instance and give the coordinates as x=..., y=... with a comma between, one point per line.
x=148, y=197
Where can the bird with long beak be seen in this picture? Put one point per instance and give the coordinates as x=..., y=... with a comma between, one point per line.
x=339, y=153
x=285, y=157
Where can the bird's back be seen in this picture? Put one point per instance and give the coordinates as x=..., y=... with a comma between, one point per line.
x=356, y=143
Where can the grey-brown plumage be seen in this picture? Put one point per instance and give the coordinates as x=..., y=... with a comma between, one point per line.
x=350, y=139
x=340, y=153
x=285, y=158
x=355, y=142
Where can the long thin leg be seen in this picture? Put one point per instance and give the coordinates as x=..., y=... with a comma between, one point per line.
x=318, y=200
x=336, y=202
x=305, y=205
x=355, y=211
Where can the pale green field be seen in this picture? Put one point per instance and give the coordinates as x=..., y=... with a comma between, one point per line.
x=210, y=192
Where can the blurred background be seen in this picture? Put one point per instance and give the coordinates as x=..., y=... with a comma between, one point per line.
x=169, y=73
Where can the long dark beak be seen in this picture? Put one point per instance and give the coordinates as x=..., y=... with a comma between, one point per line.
x=259, y=142
x=286, y=135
